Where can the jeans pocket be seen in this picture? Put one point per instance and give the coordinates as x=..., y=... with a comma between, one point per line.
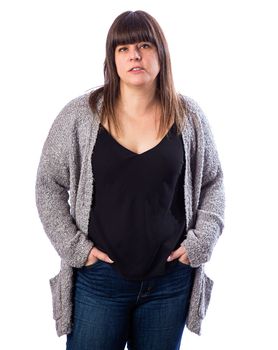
x=206, y=289
x=55, y=285
x=89, y=267
x=183, y=264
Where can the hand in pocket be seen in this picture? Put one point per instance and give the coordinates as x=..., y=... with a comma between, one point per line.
x=95, y=255
x=181, y=255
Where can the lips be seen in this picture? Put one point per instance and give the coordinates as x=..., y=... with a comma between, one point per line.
x=136, y=67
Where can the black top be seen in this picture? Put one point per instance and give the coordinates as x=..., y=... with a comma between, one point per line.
x=137, y=215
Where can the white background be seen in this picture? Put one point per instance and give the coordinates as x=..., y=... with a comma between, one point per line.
x=224, y=55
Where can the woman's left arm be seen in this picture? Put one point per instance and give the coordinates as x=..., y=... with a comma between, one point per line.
x=209, y=224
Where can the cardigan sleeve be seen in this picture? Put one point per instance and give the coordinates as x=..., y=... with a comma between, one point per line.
x=209, y=225
x=51, y=192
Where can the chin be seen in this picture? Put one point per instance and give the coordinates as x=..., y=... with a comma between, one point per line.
x=139, y=83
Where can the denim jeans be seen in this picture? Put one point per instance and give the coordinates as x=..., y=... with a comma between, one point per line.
x=110, y=312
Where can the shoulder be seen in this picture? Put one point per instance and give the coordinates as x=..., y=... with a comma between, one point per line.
x=75, y=112
x=76, y=106
x=196, y=114
x=200, y=131
x=190, y=103
x=193, y=108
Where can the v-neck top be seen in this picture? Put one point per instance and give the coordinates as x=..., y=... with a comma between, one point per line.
x=137, y=214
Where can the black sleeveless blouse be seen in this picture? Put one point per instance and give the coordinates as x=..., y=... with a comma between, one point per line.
x=137, y=215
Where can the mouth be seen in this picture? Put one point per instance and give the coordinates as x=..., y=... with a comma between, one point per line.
x=136, y=69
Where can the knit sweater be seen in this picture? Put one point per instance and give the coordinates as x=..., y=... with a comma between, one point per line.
x=64, y=192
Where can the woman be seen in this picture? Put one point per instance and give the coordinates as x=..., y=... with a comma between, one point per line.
x=146, y=201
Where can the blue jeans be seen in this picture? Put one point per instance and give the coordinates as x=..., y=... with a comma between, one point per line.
x=110, y=311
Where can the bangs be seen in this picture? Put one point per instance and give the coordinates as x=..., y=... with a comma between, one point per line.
x=131, y=29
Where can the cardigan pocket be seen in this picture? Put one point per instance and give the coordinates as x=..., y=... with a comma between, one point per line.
x=206, y=289
x=55, y=285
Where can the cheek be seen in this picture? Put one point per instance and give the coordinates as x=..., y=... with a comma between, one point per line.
x=156, y=65
x=119, y=66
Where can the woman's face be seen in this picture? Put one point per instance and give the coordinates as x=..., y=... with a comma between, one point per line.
x=142, y=55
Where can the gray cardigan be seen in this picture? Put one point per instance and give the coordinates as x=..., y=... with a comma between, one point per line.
x=64, y=189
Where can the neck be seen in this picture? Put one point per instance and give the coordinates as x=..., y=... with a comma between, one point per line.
x=136, y=103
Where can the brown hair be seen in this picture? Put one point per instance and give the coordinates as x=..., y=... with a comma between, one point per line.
x=128, y=28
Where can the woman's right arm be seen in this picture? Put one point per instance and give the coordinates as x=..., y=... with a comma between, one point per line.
x=51, y=191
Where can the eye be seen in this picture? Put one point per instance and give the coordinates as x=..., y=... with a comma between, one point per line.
x=122, y=49
x=145, y=45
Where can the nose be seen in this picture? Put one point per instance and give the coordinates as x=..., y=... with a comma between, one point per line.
x=134, y=54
